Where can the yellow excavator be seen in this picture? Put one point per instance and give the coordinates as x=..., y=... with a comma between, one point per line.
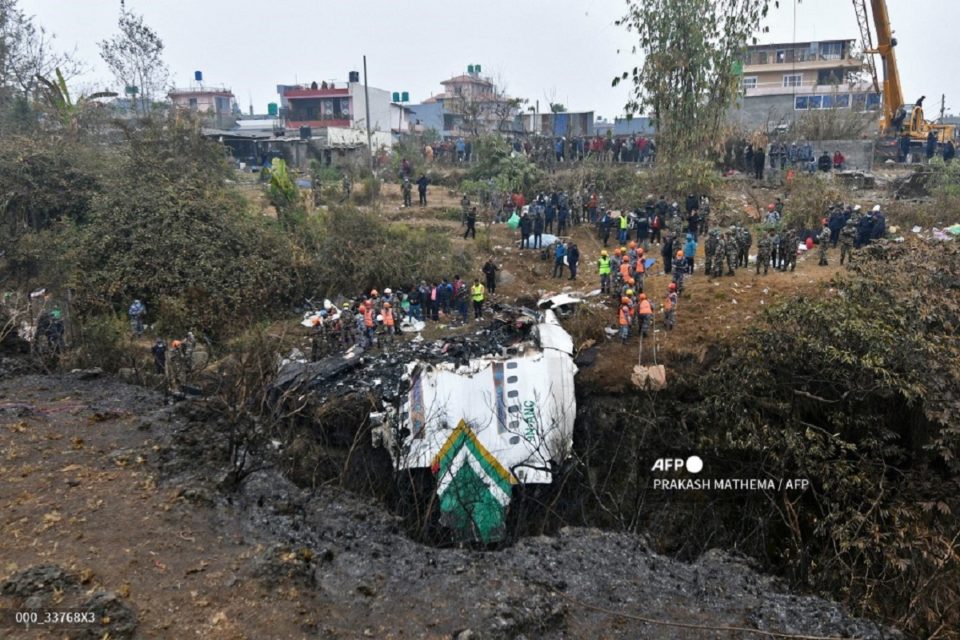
x=899, y=119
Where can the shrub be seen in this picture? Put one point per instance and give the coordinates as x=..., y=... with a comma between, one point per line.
x=359, y=251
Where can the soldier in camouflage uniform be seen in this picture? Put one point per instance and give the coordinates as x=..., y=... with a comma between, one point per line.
x=731, y=247
x=788, y=247
x=709, y=248
x=744, y=242
x=775, y=255
x=823, y=239
x=676, y=221
x=704, y=215
x=764, y=248
x=848, y=235
x=719, y=254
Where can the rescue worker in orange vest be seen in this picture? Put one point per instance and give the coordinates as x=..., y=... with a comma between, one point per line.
x=639, y=270
x=369, y=323
x=670, y=307
x=632, y=255
x=389, y=324
x=615, y=270
x=626, y=317
x=645, y=313
x=625, y=271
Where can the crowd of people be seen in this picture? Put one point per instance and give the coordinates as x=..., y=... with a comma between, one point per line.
x=375, y=318
x=549, y=150
x=796, y=156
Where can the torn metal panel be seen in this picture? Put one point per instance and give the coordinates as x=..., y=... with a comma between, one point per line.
x=521, y=409
x=489, y=422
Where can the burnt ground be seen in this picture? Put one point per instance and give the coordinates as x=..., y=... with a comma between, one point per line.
x=118, y=502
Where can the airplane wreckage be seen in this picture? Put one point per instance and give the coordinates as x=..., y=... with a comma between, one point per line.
x=483, y=412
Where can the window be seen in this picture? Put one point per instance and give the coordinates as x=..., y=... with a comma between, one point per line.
x=781, y=56
x=829, y=76
x=800, y=103
x=193, y=103
x=831, y=50
x=842, y=101
x=873, y=101
x=792, y=80
x=815, y=102
x=749, y=82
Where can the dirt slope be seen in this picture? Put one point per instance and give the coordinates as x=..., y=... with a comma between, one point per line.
x=120, y=493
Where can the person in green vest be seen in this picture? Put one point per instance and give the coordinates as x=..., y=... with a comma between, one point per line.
x=603, y=268
x=624, y=227
x=477, y=293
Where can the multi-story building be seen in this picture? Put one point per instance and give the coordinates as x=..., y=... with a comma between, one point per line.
x=333, y=104
x=215, y=104
x=468, y=104
x=782, y=81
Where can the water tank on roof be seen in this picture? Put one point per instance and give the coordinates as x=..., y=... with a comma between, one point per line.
x=470, y=69
x=305, y=133
x=404, y=97
x=272, y=109
x=354, y=76
x=198, y=76
x=396, y=96
x=476, y=68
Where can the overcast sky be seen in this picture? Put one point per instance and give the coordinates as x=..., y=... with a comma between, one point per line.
x=559, y=50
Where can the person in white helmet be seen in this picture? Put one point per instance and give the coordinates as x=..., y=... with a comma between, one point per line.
x=879, y=224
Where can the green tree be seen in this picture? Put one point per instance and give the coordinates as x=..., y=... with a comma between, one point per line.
x=135, y=57
x=57, y=100
x=688, y=78
x=26, y=50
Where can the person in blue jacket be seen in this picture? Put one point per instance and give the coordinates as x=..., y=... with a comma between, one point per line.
x=559, y=252
x=689, y=251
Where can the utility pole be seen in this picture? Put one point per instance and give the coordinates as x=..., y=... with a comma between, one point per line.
x=943, y=105
x=366, y=102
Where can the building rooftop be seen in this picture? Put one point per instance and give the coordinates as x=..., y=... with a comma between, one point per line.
x=201, y=90
x=468, y=79
x=780, y=45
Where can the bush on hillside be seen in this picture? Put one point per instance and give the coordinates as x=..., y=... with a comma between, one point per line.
x=359, y=251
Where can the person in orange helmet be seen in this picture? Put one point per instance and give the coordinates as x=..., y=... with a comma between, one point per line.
x=679, y=270
x=625, y=271
x=389, y=323
x=645, y=314
x=625, y=318
x=369, y=323
x=670, y=307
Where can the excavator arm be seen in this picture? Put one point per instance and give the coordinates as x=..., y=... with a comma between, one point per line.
x=915, y=125
x=892, y=92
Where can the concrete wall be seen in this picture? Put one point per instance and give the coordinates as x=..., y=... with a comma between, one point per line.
x=379, y=108
x=430, y=116
x=763, y=112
